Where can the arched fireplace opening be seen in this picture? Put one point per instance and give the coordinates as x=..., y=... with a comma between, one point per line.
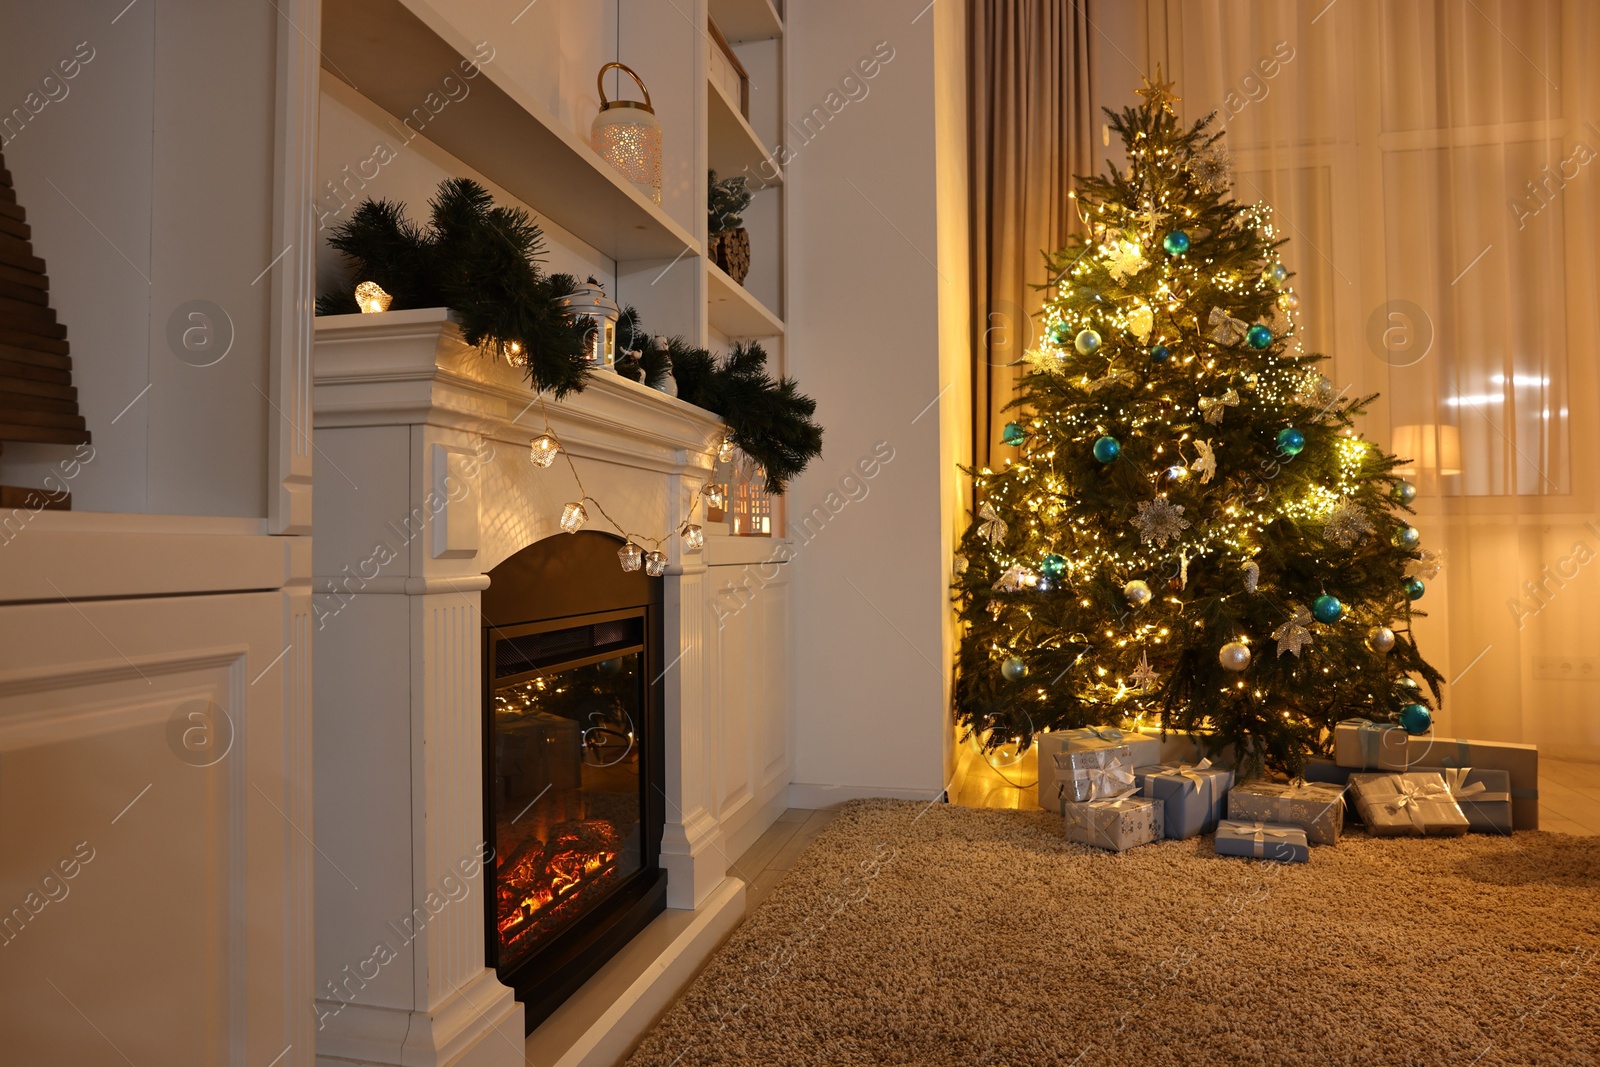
x=573, y=764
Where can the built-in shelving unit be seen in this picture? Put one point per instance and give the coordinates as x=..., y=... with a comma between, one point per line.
x=733, y=311
x=747, y=20
x=393, y=53
x=732, y=145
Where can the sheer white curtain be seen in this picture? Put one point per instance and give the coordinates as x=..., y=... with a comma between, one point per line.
x=1436, y=165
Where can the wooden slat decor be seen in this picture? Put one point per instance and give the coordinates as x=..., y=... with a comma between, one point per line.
x=37, y=399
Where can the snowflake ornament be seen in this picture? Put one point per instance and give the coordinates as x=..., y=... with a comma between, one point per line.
x=1124, y=259
x=1160, y=521
x=1428, y=567
x=1213, y=170
x=1346, y=525
x=1205, y=464
x=1141, y=321
x=1295, y=634
x=1144, y=676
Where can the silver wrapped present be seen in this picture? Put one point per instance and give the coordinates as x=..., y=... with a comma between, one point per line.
x=1315, y=807
x=1094, y=773
x=1407, y=802
x=1261, y=840
x=1050, y=745
x=1116, y=824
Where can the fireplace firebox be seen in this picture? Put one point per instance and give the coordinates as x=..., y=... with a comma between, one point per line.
x=573, y=768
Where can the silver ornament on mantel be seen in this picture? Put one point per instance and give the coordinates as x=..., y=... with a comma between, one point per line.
x=1380, y=639
x=1235, y=656
x=1137, y=592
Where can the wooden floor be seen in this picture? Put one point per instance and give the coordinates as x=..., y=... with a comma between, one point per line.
x=764, y=864
x=1569, y=793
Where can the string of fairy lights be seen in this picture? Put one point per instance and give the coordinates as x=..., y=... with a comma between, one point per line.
x=542, y=453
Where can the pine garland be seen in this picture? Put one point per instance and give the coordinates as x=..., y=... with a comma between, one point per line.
x=478, y=260
x=482, y=262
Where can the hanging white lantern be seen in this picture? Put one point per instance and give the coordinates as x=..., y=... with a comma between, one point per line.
x=591, y=302
x=627, y=135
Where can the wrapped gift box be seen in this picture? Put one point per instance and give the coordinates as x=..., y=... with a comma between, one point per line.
x=1117, y=825
x=1521, y=762
x=1484, y=796
x=1184, y=746
x=1362, y=744
x=1193, y=795
x=1318, y=769
x=1094, y=773
x=1262, y=841
x=1407, y=802
x=1315, y=807
x=1145, y=750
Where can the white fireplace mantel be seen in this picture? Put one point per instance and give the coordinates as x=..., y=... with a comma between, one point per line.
x=424, y=484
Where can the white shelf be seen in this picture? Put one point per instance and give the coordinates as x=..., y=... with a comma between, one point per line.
x=746, y=20
x=732, y=146
x=392, y=52
x=733, y=311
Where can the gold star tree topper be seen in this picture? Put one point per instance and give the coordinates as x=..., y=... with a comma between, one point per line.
x=1158, y=93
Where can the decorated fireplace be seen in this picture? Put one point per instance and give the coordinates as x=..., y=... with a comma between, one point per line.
x=573, y=770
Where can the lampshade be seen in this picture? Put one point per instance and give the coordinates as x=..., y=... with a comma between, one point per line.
x=1428, y=448
x=627, y=135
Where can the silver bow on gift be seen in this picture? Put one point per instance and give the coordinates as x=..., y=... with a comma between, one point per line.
x=1225, y=329
x=993, y=527
x=1455, y=780
x=1191, y=773
x=1259, y=832
x=1214, y=407
x=1105, y=783
x=1411, y=798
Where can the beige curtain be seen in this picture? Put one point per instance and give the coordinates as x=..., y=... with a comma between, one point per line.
x=1436, y=167
x=1030, y=130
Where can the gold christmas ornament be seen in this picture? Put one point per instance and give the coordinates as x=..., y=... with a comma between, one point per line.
x=371, y=298
x=627, y=135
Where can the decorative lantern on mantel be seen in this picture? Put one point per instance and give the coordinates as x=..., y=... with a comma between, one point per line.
x=590, y=301
x=627, y=135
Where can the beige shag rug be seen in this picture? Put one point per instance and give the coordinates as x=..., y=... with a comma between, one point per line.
x=915, y=934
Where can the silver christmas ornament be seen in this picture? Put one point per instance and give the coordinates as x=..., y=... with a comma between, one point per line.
x=1234, y=656
x=1252, y=577
x=1014, y=669
x=1380, y=639
x=1160, y=521
x=1295, y=634
x=1137, y=592
x=1144, y=676
x=1346, y=525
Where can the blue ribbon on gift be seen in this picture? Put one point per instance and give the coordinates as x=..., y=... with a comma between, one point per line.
x=1463, y=760
x=1371, y=735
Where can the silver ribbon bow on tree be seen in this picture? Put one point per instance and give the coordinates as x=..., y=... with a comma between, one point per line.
x=1225, y=329
x=1214, y=407
x=1113, y=377
x=993, y=528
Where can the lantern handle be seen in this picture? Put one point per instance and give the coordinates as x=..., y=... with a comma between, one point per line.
x=600, y=83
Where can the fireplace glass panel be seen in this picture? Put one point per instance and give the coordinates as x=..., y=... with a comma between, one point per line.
x=568, y=818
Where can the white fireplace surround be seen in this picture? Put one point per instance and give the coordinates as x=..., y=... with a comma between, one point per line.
x=423, y=484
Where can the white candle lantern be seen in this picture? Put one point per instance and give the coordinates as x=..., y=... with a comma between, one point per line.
x=591, y=302
x=627, y=135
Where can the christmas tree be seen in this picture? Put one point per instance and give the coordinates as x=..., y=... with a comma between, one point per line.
x=1193, y=531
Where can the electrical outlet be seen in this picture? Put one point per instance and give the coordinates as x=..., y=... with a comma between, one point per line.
x=1567, y=668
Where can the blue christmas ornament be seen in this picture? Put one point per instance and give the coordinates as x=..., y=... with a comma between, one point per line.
x=1061, y=333
x=1276, y=274
x=1087, y=342
x=1159, y=354
x=1327, y=608
x=1053, y=566
x=1014, y=434
x=1416, y=718
x=1107, y=449
x=1291, y=441
x=1176, y=243
x=1404, y=492
x=1415, y=589
x=1014, y=669
x=1407, y=536
x=1258, y=336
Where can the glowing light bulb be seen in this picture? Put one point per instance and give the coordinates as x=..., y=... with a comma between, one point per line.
x=371, y=298
x=542, y=450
